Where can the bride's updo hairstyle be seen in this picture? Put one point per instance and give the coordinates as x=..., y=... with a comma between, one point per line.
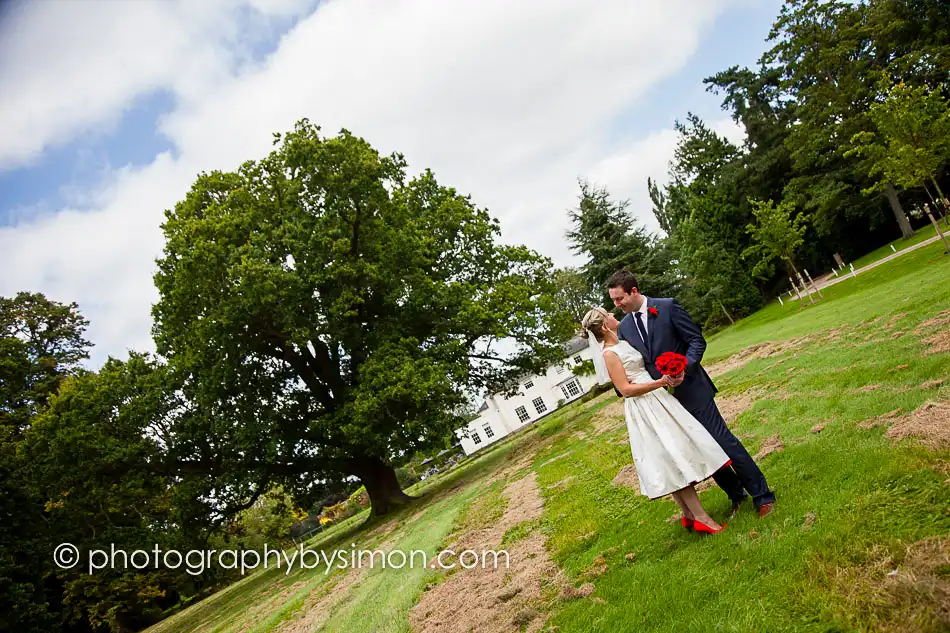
x=593, y=323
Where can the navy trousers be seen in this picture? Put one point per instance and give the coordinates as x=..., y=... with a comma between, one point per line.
x=743, y=475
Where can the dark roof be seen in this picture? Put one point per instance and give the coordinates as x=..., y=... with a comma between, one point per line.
x=576, y=344
x=484, y=406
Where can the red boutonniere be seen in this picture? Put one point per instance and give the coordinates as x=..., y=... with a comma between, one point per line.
x=653, y=312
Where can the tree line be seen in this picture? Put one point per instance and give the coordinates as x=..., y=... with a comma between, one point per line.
x=321, y=320
x=322, y=316
x=847, y=134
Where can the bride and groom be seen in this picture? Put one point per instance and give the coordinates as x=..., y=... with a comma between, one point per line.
x=678, y=439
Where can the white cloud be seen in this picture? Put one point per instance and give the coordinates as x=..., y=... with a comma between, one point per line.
x=68, y=66
x=625, y=173
x=728, y=128
x=511, y=102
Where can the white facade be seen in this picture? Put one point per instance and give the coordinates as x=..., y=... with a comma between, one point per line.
x=537, y=396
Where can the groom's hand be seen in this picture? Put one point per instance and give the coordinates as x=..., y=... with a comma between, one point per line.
x=679, y=378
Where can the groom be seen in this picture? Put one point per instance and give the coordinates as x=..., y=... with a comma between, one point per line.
x=654, y=326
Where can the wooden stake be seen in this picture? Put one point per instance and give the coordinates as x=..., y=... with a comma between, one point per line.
x=728, y=316
x=937, y=226
x=796, y=288
x=814, y=285
x=807, y=291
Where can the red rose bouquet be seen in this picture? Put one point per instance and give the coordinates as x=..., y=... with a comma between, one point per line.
x=671, y=363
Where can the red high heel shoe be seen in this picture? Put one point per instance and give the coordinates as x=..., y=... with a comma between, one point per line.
x=687, y=523
x=702, y=528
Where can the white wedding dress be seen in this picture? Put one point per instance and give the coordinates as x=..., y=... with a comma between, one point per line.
x=671, y=449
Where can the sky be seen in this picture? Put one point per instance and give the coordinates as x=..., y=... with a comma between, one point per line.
x=111, y=108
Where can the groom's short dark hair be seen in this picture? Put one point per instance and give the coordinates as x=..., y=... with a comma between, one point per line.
x=623, y=279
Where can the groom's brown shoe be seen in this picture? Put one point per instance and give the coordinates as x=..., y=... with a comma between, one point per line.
x=765, y=508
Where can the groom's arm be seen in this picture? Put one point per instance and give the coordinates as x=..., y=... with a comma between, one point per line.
x=690, y=333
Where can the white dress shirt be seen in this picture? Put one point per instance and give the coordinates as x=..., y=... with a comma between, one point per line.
x=645, y=318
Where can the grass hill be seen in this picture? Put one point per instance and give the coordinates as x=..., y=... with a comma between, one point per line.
x=847, y=404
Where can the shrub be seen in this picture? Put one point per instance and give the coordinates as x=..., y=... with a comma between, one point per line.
x=405, y=476
x=585, y=368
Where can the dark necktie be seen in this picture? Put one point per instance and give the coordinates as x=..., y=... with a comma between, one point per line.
x=641, y=328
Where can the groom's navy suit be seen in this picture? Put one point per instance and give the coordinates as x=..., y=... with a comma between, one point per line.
x=672, y=330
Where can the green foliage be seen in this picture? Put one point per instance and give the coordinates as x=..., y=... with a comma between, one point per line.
x=268, y=522
x=814, y=90
x=406, y=476
x=575, y=293
x=603, y=231
x=41, y=345
x=708, y=216
x=830, y=55
x=584, y=368
x=775, y=235
x=350, y=308
x=912, y=137
x=95, y=457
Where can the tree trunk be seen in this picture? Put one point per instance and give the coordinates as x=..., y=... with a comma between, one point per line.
x=379, y=478
x=939, y=192
x=899, y=214
x=943, y=209
x=728, y=316
x=791, y=265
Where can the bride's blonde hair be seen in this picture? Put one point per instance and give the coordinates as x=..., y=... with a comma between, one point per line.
x=593, y=323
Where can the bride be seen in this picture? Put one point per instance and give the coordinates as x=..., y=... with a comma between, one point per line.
x=671, y=449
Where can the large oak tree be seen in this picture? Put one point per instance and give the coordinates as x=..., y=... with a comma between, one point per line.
x=324, y=316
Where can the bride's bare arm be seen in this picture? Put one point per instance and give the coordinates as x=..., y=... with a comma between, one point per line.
x=619, y=376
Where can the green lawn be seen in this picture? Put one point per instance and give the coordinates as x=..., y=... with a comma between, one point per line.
x=923, y=233
x=853, y=504
x=918, y=282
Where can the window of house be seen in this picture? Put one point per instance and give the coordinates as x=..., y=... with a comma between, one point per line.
x=488, y=432
x=476, y=438
x=559, y=369
x=571, y=389
x=578, y=359
x=522, y=414
x=529, y=384
x=539, y=405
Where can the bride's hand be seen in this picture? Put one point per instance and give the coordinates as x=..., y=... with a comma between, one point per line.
x=666, y=381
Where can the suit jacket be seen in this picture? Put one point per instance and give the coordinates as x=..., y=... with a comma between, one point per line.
x=672, y=330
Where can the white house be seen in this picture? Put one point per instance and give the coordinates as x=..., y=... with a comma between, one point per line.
x=537, y=397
